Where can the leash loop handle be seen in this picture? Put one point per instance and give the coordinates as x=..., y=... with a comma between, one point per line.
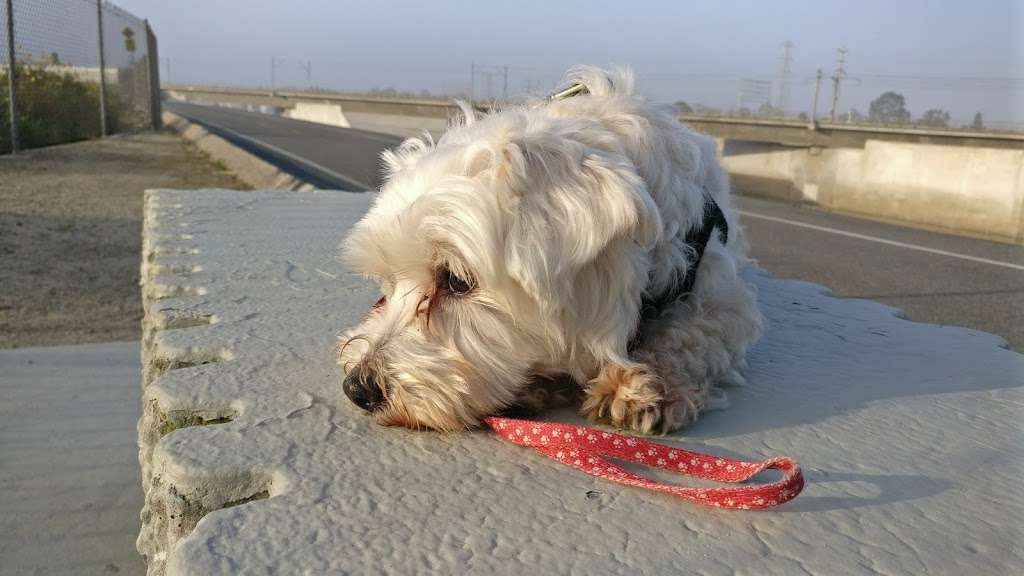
x=587, y=449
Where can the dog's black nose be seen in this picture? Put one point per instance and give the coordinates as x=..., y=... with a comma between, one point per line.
x=363, y=390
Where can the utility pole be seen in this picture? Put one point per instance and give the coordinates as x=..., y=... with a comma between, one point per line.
x=168, y=62
x=785, y=69
x=103, y=74
x=814, y=105
x=308, y=67
x=837, y=79
x=504, y=85
x=273, y=65
x=12, y=81
x=472, y=81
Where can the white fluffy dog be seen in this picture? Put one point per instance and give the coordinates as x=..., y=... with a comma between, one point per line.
x=557, y=241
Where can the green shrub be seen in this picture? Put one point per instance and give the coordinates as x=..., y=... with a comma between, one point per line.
x=54, y=108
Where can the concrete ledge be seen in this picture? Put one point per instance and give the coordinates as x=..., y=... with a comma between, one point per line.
x=249, y=168
x=254, y=462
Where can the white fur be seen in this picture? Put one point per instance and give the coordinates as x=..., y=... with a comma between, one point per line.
x=565, y=214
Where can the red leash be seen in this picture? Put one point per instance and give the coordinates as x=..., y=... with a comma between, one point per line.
x=584, y=448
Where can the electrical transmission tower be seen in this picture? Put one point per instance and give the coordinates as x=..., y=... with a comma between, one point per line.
x=785, y=70
x=488, y=73
x=837, y=79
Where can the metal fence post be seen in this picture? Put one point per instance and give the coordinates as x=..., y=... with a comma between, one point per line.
x=103, y=73
x=153, y=65
x=12, y=80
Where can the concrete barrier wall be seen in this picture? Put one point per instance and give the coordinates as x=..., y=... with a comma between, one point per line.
x=398, y=125
x=339, y=115
x=330, y=114
x=976, y=192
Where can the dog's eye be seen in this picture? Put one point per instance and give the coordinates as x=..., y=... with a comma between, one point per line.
x=454, y=283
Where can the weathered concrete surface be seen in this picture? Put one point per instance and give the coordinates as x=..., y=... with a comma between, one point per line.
x=975, y=192
x=69, y=478
x=910, y=434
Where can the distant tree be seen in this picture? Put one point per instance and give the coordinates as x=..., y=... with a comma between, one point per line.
x=744, y=112
x=803, y=117
x=978, y=123
x=683, y=107
x=889, y=107
x=935, y=117
x=699, y=108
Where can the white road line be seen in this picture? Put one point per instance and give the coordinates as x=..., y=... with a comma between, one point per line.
x=917, y=247
x=363, y=186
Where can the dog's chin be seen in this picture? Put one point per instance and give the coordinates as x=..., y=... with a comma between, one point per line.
x=432, y=420
x=424, y=416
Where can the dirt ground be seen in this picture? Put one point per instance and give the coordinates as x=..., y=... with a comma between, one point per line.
x=71, y=234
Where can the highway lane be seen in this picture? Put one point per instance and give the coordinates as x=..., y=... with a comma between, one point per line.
x=946, y=287
x=325, y=156
x=933, y=277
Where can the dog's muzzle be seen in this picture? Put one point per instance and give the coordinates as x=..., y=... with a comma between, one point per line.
x=363, y=390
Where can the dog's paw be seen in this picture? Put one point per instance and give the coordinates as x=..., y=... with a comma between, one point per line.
x=626, y=397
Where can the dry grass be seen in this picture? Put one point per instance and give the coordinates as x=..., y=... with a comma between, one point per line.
x=70, y=234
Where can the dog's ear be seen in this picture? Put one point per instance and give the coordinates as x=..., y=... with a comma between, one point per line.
x=406, y=154
x=568, y=203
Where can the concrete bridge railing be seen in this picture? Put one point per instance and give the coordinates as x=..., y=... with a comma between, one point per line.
x=971, y=191
x=791, y=132
x=959, y=181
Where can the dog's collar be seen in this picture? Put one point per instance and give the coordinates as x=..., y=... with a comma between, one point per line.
x=653, y=305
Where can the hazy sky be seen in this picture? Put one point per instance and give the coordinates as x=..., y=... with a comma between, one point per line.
x=962, y=56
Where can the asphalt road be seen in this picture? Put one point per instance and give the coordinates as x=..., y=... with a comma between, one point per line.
x=325, y=156
x=935, y=278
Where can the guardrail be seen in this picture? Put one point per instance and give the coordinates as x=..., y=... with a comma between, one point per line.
x=838, y=134
x=355, y=102
x=780, y=130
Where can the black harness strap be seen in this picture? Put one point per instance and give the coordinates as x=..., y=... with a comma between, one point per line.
x=652, y=305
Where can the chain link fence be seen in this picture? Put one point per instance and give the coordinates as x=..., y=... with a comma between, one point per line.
x=72, y=70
